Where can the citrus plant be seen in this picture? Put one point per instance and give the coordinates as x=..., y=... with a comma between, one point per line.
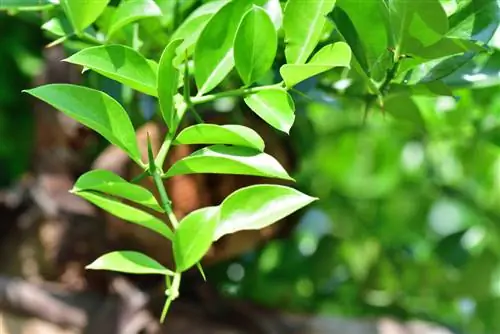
x=410, y=47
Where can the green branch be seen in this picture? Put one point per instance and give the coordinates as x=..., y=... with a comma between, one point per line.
x=232, y=93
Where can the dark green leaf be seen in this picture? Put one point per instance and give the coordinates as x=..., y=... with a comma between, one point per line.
x=83, y=13
x=95, y=110
x=120, y=63
x=258, y=206
x=255, y=45
x=168, y=80
x=214, y=60
x=275, y=106
x=194, y=237
x=130, y=11
x=127, y=213
x=237, y=135
x=107, y=182
x=476, y=20
x=435, y=88
x=303, y=23
x=220, y=159
x=330, y=56
x=129, y=262
x=402, y=107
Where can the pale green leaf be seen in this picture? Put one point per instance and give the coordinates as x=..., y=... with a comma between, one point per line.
x=237, y=135
x=255, y=45
x=168, y=81
x=127, y=212
x=194, y=236
x=220, y=159
x=129, y=262
x=83, y=13
x=109, y=183
x=131, y=11
x=120, y=63
x=330, y=56
x=275, y=106
x=25, y=4
x=256, y=207
x=95, y=110
x=303, y=23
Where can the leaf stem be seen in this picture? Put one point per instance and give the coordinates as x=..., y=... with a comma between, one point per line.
x=230, y=93
x=173, y=293
x=165, y=201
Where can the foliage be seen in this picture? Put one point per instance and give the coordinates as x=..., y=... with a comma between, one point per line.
x=423, y=70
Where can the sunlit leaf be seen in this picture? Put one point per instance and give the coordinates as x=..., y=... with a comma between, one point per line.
x=275, y=106
x=258, y=206
x=130, y=11
x=25, y=4
x=95, y=110
x=303, y=23
x=83, y=13
x=222, y=159
x=237, y=135
x=109, y=183
x=194, y=236
x=168, y=80
x=120, y=63
x=129, y=262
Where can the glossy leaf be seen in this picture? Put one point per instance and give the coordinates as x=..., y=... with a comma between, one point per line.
x=168, y=80
x=120, y=63
x=237, y=135
x=109, y=183
x=476, y=20
x=220, y=159
x=214, y=60
x=190, y=29
x=258, y=206
x=417, y=24
x=255, y=45
x=95, y=110
x=130, y=11
x=129, y=262
x=194, y=237
x=275, y=106
x=275, y=12
x=330, y=56
x=83, y=13
x=303, y=24
x=127, y=212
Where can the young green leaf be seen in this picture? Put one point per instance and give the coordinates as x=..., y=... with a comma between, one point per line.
x=120, y=63
x=129, y=262
x=303, y=23
x=109, y=183
x=168, y=80
x=213, y=54
x=330, y=56
x=255, y=45
x=220, y=159
x=130, y=11
x=275, y=106
x=190, y=29
x=83, y=13
x=95, y=110
x=258, y=206
x=127, y=212
x=194, y=236
x=237, y=135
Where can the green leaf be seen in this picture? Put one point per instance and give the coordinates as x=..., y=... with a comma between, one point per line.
x=275, y=106
x=303, y=24
x=127, y=212
x=83, y=13
x=220, y=159
x=58, y=26
x=475, y=20
x=25, y=4
x=194, y=237
x=402, y=107
x=255, y=207
x=435, y=88
x=214, y=60
x=168, y=81
x=237, y=135
x=95, y=110
x=330, y=56
x=129, y=262
x=120, y=63
x=107, y=182
x=130, y=11
x=193, y=25
x=255, y=45
x=417, y=24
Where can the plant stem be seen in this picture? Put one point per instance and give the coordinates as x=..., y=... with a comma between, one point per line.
x=173, y=293
x=236, y=92
x=165, y=201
